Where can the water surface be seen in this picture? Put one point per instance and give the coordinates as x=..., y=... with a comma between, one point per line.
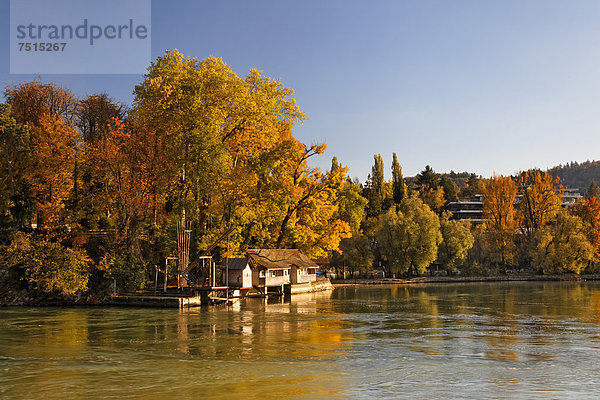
x=496, y=340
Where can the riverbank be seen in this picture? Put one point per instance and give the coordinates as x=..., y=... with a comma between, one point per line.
x=172, y=299
x=14, y=297
x=463, y=279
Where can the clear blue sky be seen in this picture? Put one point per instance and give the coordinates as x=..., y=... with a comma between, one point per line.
x=476, y=85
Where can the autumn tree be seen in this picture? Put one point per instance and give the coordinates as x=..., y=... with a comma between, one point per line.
x=409, y=238
x=45, y=266
x=456, y=242
x=562, y=246
x=500, y=221
x=538, y=204
x=51, y=172
x=310, y=199
x=539, y=200
x=48, y=166
x=131, y=167
x=589, y=212
x=429, y=189
x=222, y=134
x=33, y=100
x=95, y=114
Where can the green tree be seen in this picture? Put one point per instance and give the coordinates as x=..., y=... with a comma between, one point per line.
x=351, y=205
x=473, y=186
x=457, y=240
x=428, y=178
x=399, y=187
x=408, y=238
x=593, y=190
x=449, y=188
x=562, y=246
x=356, y=253
x=430, y=191
x=14, y=157
x=376, y=187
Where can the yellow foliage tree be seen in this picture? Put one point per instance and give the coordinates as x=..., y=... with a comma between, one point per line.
x=539, y=200
x=499, y=214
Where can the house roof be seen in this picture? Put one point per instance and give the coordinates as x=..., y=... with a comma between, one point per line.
x=280, y=258
x=235, y=263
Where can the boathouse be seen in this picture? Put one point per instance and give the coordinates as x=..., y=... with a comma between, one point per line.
x=269, y=268
x=240, y=272
x=276, y=267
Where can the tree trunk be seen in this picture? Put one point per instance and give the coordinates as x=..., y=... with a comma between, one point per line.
x=283, y=227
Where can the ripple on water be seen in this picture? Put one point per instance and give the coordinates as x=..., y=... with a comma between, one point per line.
x=531, y=340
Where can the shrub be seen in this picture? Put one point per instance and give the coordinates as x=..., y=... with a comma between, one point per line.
x=47, y=266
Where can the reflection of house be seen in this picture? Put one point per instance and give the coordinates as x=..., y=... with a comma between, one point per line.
x=270, y=268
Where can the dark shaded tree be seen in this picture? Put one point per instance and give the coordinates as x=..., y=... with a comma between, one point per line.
x=398, y=185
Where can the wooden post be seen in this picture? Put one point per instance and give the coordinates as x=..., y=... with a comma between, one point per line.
x=214, y=272
x=155, y=278
x=227, y=264
x=166, y=272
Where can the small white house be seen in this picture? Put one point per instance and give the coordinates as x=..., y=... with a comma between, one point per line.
x=240, y=272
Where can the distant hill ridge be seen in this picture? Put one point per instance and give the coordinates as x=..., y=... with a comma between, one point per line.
x=577, y=175
x=572, y=175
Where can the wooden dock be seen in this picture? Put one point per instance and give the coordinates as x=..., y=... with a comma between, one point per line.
x=185, y=297
x=137, y=300
x=172, y=298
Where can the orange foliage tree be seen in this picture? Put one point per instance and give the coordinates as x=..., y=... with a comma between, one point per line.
x=499, y=214
x=131, y=167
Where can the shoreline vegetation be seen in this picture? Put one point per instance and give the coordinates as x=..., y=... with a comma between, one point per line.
x=96, y=196
x=465, y=279
x=25, y=298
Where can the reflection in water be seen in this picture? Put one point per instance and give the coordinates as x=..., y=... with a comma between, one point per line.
x=471, y=340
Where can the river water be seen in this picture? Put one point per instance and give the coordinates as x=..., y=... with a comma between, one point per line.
x=498, y=340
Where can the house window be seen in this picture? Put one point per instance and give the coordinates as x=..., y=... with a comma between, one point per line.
x=261, y=274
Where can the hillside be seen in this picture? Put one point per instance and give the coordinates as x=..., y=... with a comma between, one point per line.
x=577, y=175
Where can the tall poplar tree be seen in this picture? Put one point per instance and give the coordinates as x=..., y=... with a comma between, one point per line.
x=398, y=185
x=376, y=186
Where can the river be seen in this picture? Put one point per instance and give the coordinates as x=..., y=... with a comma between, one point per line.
x=483, y=340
